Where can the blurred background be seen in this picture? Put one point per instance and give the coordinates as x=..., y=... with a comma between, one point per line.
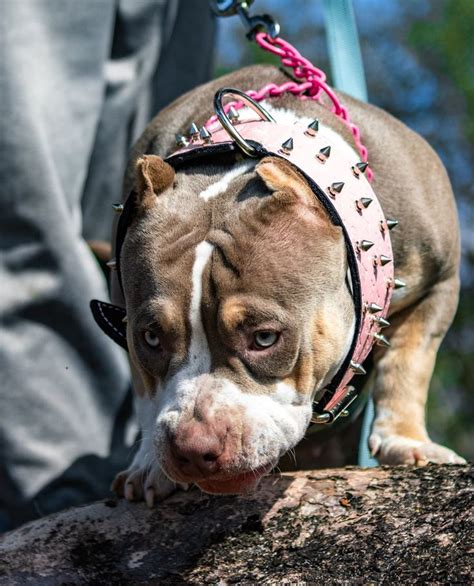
x=419, y=65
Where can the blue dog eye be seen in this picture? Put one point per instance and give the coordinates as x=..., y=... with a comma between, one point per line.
x=151, y=339
x=265, y=338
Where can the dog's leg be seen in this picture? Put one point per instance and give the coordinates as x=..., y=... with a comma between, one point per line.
x=403, y=374
x=144, y=479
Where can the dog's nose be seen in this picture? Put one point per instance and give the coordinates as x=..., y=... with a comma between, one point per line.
x=196, y=449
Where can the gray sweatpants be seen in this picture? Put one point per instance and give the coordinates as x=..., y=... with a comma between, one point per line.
x=78, y=82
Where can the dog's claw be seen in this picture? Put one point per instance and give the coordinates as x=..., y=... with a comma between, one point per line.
x=118, y=484
x=420, y=459
x=150, y=497
x=129, y=491
x=375, y=441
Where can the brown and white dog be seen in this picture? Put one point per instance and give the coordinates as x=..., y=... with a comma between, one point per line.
x=237, y=303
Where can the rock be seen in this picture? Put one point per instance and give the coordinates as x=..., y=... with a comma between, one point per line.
x=349, y=525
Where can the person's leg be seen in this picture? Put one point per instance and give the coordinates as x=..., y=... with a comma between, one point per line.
x=133, y=59
x=187, y=58
x=63, y=382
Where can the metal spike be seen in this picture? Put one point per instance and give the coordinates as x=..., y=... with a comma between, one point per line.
x=374, y=308
x=365, y=245
x=194, y=132
x=358, y=368
x=363, y=203
x=336, y=187
x=381, y=340
x=312, y=128
x=205, y=135
x=360, y=168
x=112, y=264
x=125, y=320
x=399, y=284
x=324, y=154
x=391, y=223
x=382, y=322
x=117, y=207
x=287, y=147
x=233, y=115
x=181, y=140
x=384, y=260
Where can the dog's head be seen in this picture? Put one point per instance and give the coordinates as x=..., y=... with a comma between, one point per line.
x=238, y=310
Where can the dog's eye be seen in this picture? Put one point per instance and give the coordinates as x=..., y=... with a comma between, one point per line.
x=151, y=339
x=265, y=338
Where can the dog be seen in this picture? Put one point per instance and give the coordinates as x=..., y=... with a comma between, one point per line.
x=238, y=306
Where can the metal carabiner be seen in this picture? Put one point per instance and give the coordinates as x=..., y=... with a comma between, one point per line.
x=227, y=124
x=228, y=7
x=252, y=23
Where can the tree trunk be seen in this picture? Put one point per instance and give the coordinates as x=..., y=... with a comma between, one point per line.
x=354, y=526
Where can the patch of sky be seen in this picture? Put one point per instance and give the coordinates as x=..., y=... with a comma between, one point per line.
x=370, y=14
x=229, y=49
x=416, y=86
x=374, y=15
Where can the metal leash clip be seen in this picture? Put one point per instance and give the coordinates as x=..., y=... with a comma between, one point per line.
x=253, y=24
x=227, y=123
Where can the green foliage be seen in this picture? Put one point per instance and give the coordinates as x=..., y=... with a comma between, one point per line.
x=445, y=41
x=451, y=41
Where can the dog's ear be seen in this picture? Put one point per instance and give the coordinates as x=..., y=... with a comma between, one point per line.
x=285, y=182
x=153, y=176
x=291, y=191
x=112, y=321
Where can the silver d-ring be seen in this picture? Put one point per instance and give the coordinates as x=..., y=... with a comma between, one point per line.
x=227, y=124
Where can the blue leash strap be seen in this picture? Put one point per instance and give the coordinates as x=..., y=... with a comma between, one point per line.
x=344, y=49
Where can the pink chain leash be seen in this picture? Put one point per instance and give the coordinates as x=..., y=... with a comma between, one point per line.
x=312, y=87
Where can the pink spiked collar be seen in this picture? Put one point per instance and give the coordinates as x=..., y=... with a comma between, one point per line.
x=341, y=186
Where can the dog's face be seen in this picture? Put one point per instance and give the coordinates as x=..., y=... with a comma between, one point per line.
x=237, y=311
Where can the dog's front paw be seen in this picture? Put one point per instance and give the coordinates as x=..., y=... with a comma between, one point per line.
x=148, y=483
x=395, y=449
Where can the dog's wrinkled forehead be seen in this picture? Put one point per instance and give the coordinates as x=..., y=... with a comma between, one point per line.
x=266, y=240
